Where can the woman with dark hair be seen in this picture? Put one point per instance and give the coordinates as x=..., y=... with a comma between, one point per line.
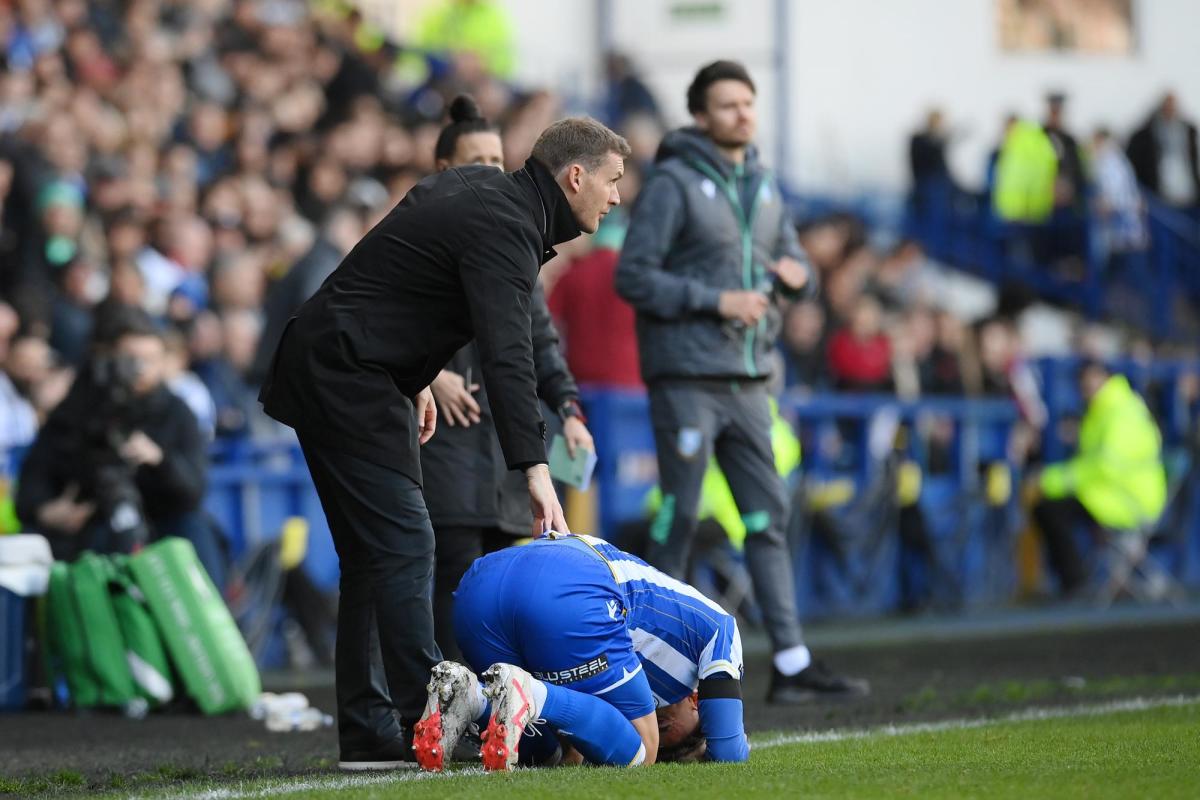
x=476, y=505
x=470, y=138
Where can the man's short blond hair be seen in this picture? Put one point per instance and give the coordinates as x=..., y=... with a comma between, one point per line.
x=578, y=140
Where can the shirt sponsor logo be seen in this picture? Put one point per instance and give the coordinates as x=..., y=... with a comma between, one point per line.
x=573, y=674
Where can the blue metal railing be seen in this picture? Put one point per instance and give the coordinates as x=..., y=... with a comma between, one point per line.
x=255, y=486
x=959, y=228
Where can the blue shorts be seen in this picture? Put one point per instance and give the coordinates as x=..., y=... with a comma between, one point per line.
x=553, y=608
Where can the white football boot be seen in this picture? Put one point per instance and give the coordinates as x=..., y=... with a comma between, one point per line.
x=454, y=703
x=513, y=710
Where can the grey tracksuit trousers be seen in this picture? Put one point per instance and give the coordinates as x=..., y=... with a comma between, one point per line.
x=693, y=420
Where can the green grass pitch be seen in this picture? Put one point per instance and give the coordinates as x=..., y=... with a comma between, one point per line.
x=1124, y=750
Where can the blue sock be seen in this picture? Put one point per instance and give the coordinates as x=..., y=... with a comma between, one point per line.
x=595, y=728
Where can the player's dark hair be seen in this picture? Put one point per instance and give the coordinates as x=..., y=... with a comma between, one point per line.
x=465, y=119
x=690, y=750
x=697, y=93
x=119, y=321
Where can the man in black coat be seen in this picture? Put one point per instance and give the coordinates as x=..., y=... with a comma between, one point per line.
x=474, y=503
x=457, y=259
x=1165, y=156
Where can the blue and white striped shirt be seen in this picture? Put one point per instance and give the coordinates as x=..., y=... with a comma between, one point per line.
x=678, y=634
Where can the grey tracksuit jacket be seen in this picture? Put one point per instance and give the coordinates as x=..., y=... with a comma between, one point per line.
x=702, y=226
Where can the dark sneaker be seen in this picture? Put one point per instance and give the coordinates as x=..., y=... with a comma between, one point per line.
x=396, y=754
x=814, y=683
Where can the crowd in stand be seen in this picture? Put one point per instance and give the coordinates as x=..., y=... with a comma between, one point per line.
x=182, y=157
x=211, y=161
x=1041, y=175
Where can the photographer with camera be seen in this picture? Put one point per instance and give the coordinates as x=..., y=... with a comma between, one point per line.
x=121, y=461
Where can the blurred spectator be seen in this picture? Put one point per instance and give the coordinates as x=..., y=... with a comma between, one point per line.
x=860, y=352
x=121, y=460
x=1006, y=373
x=1025, y=175
x=342, y=230
x=1070, y=180
x=912, y=342
x=626, y=94
x=902, y=277
x=477, y=31
x=933, y=187
x=1115, y=481
x=906, y=277
x=1010, y=120
x=186, y=385
x=953, y=362
x=18, y=422
x=927, y=151
x=1164, y=155
x=1120, y=212
x=596, y=326
x=230, y=394
x=804, y=346
x=71, y=316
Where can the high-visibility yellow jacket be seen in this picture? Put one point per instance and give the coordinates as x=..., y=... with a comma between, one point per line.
x=483, y=28
x=1118, y=472
x=1025, y=173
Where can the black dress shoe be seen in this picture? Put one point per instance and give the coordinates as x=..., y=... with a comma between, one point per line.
x=395, y=754
x=815, y=682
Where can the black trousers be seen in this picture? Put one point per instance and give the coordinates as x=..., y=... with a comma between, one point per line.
x=456, y=550
x=385, y=648
x=1058, y=520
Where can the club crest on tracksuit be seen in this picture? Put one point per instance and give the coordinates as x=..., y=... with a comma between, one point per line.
x=689, y=441
x=709, y=188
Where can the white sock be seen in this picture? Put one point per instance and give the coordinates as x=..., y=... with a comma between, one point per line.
x=793, y=660
x=539, y=697
x=479, y=702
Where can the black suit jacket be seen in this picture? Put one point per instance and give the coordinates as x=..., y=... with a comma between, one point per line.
x=466, y=481
x=457, y=259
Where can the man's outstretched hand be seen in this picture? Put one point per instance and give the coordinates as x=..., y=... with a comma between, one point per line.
x=543, y=502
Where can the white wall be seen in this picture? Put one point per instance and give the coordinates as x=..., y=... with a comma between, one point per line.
x=863, y=71
x=668, y=49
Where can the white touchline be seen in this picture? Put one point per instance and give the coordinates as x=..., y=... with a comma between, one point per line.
x=336, y=782
x=320, y=784
x=1025, y=715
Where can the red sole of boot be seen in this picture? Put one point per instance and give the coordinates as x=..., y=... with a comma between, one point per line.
x=494, y=751
x=427, y=743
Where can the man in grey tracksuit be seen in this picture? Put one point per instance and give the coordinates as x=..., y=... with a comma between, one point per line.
x=710, y=250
